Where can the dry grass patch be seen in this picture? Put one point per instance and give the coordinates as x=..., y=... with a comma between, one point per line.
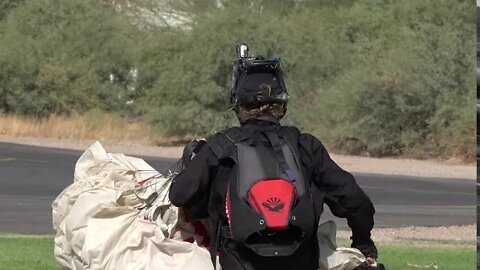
x=94, y=125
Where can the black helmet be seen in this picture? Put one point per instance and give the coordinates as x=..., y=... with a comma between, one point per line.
x=256, y=81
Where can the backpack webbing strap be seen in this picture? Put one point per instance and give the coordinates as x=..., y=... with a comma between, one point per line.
x=222, y=143
x=268, y=162
x=277, y=149
x=215, y=241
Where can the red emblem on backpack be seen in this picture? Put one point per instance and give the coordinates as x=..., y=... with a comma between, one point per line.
x=274, y=204
x=269, y=198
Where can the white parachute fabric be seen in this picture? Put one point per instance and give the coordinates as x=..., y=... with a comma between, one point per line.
x=107, y=220
x=333, y=257
x=117, y=215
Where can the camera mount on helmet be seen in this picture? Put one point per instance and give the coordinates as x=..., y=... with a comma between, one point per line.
x=256, y=81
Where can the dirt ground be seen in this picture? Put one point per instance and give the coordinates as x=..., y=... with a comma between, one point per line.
x=390, y=166
x=423, y=236
x=461, y=235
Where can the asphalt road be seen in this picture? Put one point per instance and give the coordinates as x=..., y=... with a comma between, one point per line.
x=32, y=177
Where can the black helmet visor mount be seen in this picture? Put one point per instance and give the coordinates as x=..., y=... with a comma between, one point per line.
x=256, y=81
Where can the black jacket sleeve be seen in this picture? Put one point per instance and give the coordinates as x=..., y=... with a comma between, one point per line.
x=191, y=188
x=342, y=193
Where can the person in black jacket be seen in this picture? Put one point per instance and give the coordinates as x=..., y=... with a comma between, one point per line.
x=204, y=188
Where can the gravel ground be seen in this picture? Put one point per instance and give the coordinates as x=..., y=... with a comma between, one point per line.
x=453, y=235
x=423, y=236
x=411, y=167
x=390, y=166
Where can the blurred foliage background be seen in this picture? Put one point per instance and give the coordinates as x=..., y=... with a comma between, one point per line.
x=368, y=77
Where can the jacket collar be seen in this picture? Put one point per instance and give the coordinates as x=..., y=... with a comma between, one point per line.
x=267, y=121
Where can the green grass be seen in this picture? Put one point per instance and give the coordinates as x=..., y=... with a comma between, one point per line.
x=36, y=253
x=404, y=257
x=26, y=253
x=445, y=258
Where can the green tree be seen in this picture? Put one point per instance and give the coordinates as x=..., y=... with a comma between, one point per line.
x=57, y=57
x=370, y=77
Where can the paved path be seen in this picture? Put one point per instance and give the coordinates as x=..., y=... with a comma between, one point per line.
x=31, y=177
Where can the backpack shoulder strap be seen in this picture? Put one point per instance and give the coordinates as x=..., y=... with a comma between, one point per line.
x=291, y=136
x=279, y=155
x=223, y=143
x=235, y=134
x=223, y=146
x=289, y=133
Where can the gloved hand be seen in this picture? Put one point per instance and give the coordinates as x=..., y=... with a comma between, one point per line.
x=368, y=249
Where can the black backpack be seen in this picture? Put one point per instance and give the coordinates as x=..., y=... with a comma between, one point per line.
x=268, y=202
